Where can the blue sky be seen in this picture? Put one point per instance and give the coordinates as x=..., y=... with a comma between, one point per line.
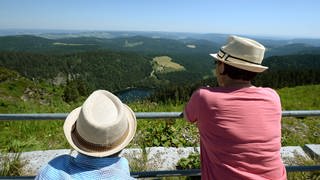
x=290, y=18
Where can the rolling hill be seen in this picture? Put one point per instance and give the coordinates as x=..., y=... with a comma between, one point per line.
x=127, y=61
x=31, y=55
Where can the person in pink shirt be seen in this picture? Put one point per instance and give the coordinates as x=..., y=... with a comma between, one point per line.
x=239, y=124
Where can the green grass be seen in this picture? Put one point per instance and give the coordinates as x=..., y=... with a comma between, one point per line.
x=193, y=162
x=300, y=131
x=11, y=165
x=300, y=98
x=17, y=136
x=164, y=64
x=303, y=161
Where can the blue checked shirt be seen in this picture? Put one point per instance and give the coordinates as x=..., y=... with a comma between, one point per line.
x=85, y=167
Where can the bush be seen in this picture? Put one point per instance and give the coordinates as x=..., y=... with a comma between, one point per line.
x=191, y=162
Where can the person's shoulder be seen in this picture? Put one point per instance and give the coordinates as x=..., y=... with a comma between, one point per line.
x=200, y=91
x=60, y=160
x=55, y=169
x=206, y=89
x=123, y=160
x=270, y=90
x=62, y=157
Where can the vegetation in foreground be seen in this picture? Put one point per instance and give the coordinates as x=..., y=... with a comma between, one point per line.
x=193, y=162
x=11, y=165
x=17, y=136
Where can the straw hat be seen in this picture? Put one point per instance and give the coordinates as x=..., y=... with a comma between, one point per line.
x=102, y=126
x=242, y=53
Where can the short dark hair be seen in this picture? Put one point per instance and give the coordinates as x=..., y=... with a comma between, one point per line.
x=236, y=73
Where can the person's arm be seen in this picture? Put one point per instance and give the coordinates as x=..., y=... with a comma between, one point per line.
x=185, y=116
x=191, y=110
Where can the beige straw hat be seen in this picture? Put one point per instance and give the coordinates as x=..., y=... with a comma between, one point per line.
x=242, y=53
x=102, y=126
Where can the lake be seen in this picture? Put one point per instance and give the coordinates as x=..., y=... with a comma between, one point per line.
x=134, y=94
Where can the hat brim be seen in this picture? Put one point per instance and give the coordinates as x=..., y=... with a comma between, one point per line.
x=70, y=123
x=243, y=65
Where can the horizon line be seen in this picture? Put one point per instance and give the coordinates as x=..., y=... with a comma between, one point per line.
x=158, y=31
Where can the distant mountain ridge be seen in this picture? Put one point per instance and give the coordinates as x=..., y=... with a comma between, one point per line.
x=218, y=38
x=149, y=45
x=146, y=45
x=99, y=61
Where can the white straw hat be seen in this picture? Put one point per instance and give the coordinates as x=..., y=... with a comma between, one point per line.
x=242, y=53
x=102, y=126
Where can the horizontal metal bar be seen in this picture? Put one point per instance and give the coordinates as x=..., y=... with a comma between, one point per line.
x=302, y=113
x=197, y=172
x=168, y=173
x=139, y=115
x=18, y=177
x=302, y=168
x=156, y=115
x=62, y=116
x=187, y=172
x=37, y=116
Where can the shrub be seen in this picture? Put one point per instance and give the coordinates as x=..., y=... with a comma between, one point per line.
x=191, y=162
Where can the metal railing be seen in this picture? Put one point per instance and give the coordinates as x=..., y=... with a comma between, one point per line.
x=139, y=115
x=172, y=173
x=156, y=115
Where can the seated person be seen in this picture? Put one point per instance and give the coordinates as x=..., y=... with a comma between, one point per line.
x=98, y=131
x=239, y=123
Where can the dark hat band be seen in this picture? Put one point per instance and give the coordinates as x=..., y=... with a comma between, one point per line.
x=92, y=147
x=225, y=56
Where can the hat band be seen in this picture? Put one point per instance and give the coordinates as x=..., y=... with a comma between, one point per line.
x=225, y=56
x=92, y=147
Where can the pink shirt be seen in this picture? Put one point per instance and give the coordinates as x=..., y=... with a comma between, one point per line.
x=240, y=132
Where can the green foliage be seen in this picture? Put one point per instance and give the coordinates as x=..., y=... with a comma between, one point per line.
x=6, y=74
x=138, y=163
x=191, y=162
x=107, y=63
x=20, y=95
x=86, y=65
x=300, y=97
x=16, y=136
x=70, y=93
x=179, y=93
x=167, y=133
x=290, y=71
x=19, y=136
x=105, y=70
x=298, y=132
x=303, y=161
x=121, y=67
x=10, y=165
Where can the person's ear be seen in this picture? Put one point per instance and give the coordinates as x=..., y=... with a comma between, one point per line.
x=221, y=69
